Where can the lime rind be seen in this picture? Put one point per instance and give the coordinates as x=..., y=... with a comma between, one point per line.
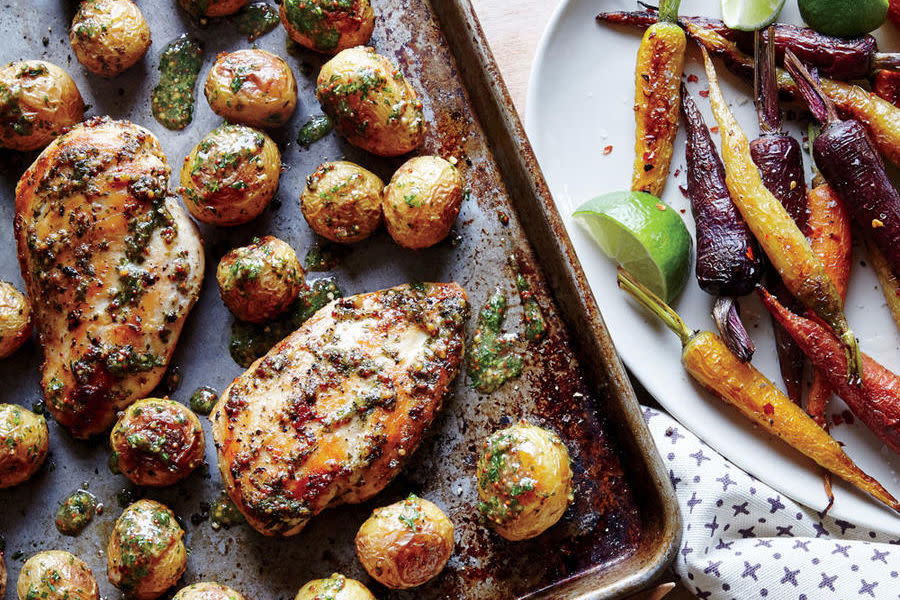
x=748, y=15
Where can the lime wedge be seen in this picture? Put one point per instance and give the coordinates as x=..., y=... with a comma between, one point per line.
x=844, y=18
x=748, y=15
x=644, y=236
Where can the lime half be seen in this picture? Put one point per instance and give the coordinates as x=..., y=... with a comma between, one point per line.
x=844, y=18
x=748, y=15
x=644, y=236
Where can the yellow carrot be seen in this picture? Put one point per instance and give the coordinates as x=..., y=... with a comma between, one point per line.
x=890, y=284
x=787, y=248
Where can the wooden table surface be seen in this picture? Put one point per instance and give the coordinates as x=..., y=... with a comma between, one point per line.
x=513, y=31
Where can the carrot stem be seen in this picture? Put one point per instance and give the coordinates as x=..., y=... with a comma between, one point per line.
x=654, y=304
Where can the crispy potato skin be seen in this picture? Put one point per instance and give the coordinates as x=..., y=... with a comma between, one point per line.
x=332, y=412
x=38, y=101
x=157, y=442
x=207, y=590
x=405, y=544
x=56, y=575
x=212, y=8
x=260, y=281
x=253, y=87
x=342, y=202
x=146, y=553
x=370, y=102
x=336, y=587
x=109, y=36
x=524, y=481
x=229, y=178
x=422, y=201
x=327, y=26
x=23, y=444
x=15, y=319
x=112, y=264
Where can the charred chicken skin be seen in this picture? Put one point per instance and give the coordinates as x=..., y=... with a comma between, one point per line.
x=330, y=414
x=112, y=264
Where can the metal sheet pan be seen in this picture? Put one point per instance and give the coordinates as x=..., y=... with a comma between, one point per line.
x=623, y=527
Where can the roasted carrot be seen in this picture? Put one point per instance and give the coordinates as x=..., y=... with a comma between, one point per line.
x=876, y=402
x=830, y=238
x=787, y=248
x=887, y=85
x=707, y=359
x=890, y=283
x=660, y=64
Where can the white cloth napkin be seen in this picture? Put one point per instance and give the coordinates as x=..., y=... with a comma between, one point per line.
x=744, y=540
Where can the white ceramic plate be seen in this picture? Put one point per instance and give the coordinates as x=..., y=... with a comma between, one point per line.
x=579, y=102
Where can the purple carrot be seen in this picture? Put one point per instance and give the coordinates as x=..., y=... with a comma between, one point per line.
x=852, y=166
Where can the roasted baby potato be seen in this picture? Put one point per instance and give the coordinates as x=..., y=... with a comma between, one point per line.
x=422, y=201
x=23, y=444
x=524, y=481
x=253, y=87
x=258, y=282
x=157, y=442
x=109, y=36
x=212, y=8
x=56, y=575
x=229, y=178
x=328, y=26
x=146, y=553
x=342, y=202
x=336, y=587
x=405, y=544
x=38, y=101
x=15, y=319
x=207, y=590
x=370, y=102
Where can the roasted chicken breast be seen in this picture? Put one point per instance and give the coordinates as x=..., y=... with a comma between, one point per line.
x=112, y=264
x=330, y=413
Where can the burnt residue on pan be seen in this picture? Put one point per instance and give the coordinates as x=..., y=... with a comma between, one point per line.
x=602, y=528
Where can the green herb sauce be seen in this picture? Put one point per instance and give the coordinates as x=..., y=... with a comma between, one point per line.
x=223, y=512
x=314, y=130
x=310, y=17
x=494, y=358
x=499, y=474
x=203, y=400
x=256, y=19
x=250, y=341
x=173, y=98
x=324, y=257
x=76, y=512
x=535, y=324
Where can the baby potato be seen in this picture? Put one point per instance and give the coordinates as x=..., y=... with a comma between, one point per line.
x=56, y=575
x=422, y=201
x=229, y=178
x=405, y=544
x=15, y=319
x=23, y=444
x=342, y=202
x=109, y=36
x=207, y=590
x=260, y=281
x=212, y=8
x=370, y=102
x=146, y=553
x=328, y=26
x=38, y=101
x=157, y=442
x=336, y=587
x=253, y=87
x=524, y=481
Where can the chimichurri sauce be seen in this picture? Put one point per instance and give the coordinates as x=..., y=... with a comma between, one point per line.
x=224, y=513
x=535, y=325
x=76, y=512
x=257, y=18
x=173, y=98
x=310, y=17
x=203, y=400
x=314, y=130
x=324, y=257
x=494, y=357
x=250, y=341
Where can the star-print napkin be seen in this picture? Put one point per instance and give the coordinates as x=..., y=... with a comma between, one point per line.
x=744, y=540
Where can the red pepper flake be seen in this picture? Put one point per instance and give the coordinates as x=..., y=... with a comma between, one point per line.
x=677, y=172
x=683, y=191
x=661, y=207
x=693, y=78
x=769, y=409
x=704, y=93
x=607, y=150
x=750, y=252
x=683, y=211
x=714, y=129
